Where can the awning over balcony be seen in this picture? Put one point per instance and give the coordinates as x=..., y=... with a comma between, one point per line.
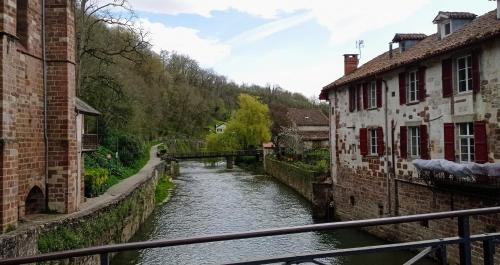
x=84, y=108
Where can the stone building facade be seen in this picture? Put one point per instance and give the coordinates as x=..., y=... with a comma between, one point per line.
x=433, y=97
x=312, y=126
x=38, y=157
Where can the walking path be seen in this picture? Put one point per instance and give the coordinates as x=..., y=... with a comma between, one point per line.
x=116, y=192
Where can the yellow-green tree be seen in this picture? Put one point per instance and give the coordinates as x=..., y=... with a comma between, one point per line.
x=250, y=124
x=248, y=127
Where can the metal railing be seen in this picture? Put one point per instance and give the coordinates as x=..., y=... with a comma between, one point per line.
x=207, y=154
x=436, y=246
x=90, y=142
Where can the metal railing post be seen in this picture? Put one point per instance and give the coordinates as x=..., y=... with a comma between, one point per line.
x=442, y=255
x=489, y=252
x=104, y=259
x=465, y=246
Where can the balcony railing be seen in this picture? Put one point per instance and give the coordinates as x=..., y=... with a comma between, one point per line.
x=90, y=142
x=436, y=246
x=447, y=180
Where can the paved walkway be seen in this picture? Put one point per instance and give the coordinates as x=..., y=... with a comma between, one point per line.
x=122, y=189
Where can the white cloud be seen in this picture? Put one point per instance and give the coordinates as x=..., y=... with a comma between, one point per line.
x=185, y=41
x=345, y=20
x=271, y=28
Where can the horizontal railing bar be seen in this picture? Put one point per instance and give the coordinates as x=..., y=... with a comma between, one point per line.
x=424, y=253
x=351, y=251
x=250, y=234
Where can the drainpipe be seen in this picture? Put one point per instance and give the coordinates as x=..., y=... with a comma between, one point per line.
x=386, y=122
x=45, y=108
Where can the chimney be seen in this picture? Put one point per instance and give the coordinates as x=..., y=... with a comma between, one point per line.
x=498, y=9
x=351, y=63
x=390, y=49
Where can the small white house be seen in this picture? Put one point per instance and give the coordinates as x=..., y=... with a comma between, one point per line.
x=220, y=128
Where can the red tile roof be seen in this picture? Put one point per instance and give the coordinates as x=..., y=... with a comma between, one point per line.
x=408, y=36
x=307, y=117
x=482, y=28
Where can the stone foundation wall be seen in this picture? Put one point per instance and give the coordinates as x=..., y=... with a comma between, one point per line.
x=114, y=222
x=358, y=196
x=297, y=178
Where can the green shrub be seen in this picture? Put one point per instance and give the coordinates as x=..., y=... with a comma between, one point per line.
x=95, y=181
x=129, y=147
x=105, y=158
x=322, y=166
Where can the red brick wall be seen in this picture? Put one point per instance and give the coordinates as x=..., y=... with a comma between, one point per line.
x=22, y=158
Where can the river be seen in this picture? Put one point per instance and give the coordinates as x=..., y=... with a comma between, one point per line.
x=214, y=200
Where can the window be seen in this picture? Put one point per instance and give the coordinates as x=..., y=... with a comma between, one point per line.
x=412, y=87
x=372, y=95
x=414, y=141
x=447, y=29
x=466, y=142
x=22, y=21
x=464, y=73
x=373, y=141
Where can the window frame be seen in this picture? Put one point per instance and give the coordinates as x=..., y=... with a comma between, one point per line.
x=444, y=28
x=468, y=74
x=469, y=140
x=411, y=130
x=409, y=83
x=372, y=95
x=372, y=141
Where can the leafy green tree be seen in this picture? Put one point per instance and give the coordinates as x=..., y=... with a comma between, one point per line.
x=251, y=123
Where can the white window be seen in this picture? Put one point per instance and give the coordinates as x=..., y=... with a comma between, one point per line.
x=466, y=142
x=412, y=87
x=414, y=141
x=372, y=95
x=373, y=141
x=464, y=74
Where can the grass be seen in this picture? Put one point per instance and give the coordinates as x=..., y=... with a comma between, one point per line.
x=163, y=189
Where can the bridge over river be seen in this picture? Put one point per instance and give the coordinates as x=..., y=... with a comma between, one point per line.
x=228, y=155
x=209, y=201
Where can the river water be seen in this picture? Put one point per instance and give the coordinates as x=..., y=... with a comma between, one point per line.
x=214, y=200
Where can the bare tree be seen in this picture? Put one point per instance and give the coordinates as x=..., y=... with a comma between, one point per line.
x=93, y=16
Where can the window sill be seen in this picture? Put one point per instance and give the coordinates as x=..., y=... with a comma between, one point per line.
x=465, y=93
x=413, y=103
x=372, y=108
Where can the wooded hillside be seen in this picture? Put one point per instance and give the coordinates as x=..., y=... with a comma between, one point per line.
x=153, y=95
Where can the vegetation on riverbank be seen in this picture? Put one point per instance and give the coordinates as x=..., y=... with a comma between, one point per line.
x=163, y=189
x=103, y=168
x=317, y=160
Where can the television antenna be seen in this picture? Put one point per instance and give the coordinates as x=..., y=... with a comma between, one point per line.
x=360, y=44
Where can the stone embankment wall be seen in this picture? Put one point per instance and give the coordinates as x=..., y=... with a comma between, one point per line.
x=307, y=183
x=113, y=222
x=297, y=178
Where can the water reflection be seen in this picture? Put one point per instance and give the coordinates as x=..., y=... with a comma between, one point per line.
x=213, y=200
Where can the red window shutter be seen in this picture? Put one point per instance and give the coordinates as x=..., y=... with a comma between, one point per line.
x=365, y=96
x=403, y=142
x=449, y=141
x=380, y=141
x=379, y=93
x=480, y=142
x=447, y=75
x=359, y=98
x=476, y=79
x=352, y=98
x=402, y=88
x=421, y=84
x=363, y=141
x=424, y=143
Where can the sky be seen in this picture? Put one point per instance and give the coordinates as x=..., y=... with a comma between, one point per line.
x=296, y=44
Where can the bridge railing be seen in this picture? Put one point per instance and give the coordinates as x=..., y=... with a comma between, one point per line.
x=211, y=154
x=437, y=246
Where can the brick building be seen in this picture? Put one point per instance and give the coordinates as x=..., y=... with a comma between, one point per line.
x=38, y=158
x=432, y=97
